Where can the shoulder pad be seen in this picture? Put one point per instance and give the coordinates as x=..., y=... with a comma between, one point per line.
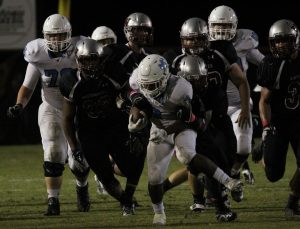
x=34, y=49
x=67, y=82
x=245, y=39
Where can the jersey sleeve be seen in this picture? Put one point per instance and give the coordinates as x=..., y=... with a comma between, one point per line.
x=182, y=91
x=32, y=76
x=67, y=83
x=32, y=50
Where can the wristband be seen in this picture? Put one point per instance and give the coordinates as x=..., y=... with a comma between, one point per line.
x=264, y=123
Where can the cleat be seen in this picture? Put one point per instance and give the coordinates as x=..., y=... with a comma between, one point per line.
x=197, y=207
x=249, y=177
x=292, y=213
x=53, y=207
x=128, y=210
x=159, y=219
x=83, y=199
x=234, y=184
x=292, y=209
x=225, y=215
x=100, y=188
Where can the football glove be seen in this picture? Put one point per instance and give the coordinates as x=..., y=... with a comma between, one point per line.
x=15, y=111
x=158, y=136
x=139, y=125
x=267, y=131
x=79, y=161
x=199, y=124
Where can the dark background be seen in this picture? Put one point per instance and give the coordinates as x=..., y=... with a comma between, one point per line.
x=167, y=18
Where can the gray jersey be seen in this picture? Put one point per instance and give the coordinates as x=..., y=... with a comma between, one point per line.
x=165, y=107
x=245, y=44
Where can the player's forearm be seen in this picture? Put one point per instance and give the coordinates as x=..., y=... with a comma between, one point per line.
x=245, y=96
x=24, y=96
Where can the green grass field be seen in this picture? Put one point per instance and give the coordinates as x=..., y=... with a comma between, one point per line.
x=23, y=200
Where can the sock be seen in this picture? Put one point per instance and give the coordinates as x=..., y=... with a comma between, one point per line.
x=220, y=176
x=53, y=193
x=158, y=208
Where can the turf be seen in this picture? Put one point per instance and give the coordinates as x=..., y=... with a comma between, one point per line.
x=23, y=200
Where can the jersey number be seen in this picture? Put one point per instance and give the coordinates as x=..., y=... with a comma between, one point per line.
x=292, y=99
x=53, y=76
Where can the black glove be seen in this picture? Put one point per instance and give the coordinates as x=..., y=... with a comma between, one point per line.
x=15, y=111
x=79, y=160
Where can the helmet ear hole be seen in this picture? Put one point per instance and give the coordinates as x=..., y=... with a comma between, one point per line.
x=152, y=75
x=57, y=33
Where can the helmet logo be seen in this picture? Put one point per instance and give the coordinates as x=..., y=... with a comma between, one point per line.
x=162, y=64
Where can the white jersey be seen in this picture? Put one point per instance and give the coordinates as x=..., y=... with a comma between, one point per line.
x=50, y=69
x=245, y=44
x=166, y=106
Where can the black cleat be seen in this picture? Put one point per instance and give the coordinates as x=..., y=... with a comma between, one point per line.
x=292, y=208
x=83, y=199
x=53, y=207
x=249, y=177
x=224, y=214
x=128, y=210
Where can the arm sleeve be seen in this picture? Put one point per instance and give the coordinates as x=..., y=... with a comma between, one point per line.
x=32, y=76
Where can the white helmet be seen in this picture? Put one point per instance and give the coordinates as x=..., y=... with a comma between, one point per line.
x=104, y=35
x=222, y=23
x=59, y=26
x=152, y=76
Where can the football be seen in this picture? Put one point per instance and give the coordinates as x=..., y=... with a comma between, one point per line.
x=136, y=115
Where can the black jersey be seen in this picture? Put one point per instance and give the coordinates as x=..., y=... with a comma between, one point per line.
x=95, y=100
x=282, y=77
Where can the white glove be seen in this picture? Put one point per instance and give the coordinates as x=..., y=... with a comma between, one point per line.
x=158, y=136
x=139, y=125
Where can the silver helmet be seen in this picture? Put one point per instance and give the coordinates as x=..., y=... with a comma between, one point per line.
x=283, y=38
x=138, y=29
x=222, y=23
x=89, y=55
x=57, y=33
x=194, y=69
x=194, y=36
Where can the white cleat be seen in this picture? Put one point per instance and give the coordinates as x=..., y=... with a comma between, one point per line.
x=100, y=188
x=159, y=219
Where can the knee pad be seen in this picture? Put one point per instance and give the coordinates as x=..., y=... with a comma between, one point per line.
x=53, y=169
x=79, y=174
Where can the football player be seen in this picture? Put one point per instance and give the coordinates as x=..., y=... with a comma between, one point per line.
x=222, y=24
x=139, y=34
x=50, y=59
x=101, y=126
x=173, y=126
x=279, y=106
